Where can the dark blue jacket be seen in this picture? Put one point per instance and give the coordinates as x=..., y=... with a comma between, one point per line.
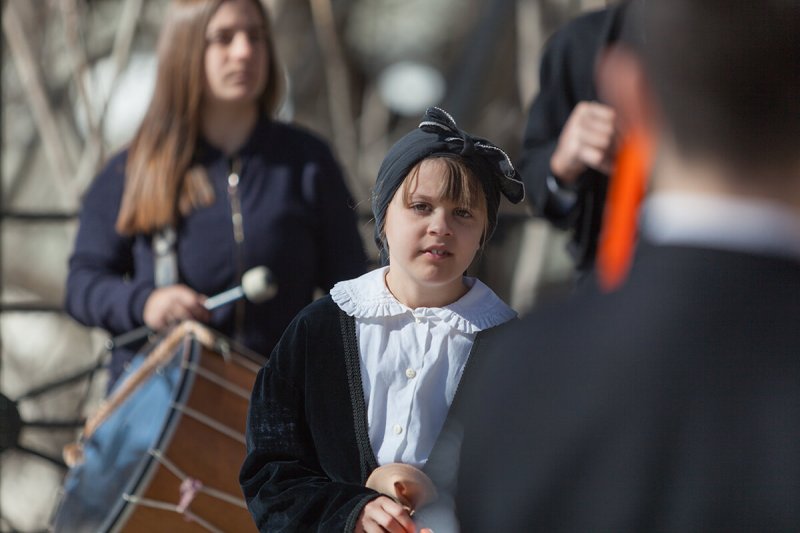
x=298, y=220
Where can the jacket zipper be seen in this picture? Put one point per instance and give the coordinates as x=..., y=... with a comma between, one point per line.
x=238, y=239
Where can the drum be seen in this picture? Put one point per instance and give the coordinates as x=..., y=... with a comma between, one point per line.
x=165, y=455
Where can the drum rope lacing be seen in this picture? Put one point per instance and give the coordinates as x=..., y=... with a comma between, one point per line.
x=216, y=380
x=155, y=504
x=178, y=473
x=189, y=488
x=210, y=422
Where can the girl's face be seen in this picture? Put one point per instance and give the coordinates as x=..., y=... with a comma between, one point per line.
x=432, y=240
x=236, y=54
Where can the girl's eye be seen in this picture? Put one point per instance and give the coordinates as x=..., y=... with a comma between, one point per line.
x=256, y=35
x=420, y=207
x=223, y=37
x=463, y=213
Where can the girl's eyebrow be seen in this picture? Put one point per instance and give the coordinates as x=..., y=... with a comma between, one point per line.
x=235, y=26
x=418, y=196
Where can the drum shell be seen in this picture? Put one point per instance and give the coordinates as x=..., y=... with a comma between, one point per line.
x=199, y=402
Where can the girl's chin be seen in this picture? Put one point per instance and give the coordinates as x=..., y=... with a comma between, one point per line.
x=450, y=282
x=237, y=98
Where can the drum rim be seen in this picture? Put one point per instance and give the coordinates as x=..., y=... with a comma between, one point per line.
x=140, y=480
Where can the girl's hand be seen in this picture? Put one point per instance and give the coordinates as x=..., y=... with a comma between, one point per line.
x=384, y=514
x=169, y=305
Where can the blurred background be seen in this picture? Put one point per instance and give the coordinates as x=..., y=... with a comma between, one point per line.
x=76, y=78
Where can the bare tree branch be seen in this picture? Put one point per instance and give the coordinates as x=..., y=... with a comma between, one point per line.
x=341, y=111
x=43, y=115
x=129, y=18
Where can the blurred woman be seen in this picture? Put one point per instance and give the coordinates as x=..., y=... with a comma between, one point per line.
x=210, y=187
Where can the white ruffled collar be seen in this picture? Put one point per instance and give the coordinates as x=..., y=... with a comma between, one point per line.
x=368, y=297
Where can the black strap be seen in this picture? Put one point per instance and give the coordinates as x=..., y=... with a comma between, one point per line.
x=360, y=422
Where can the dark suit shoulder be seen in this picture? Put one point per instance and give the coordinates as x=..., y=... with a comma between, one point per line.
x=587, y=32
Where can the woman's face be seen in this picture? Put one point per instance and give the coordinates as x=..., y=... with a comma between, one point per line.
x=432, y=240
x=236, y=54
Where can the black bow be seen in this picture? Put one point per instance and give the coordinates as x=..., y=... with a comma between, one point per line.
x=438, y=121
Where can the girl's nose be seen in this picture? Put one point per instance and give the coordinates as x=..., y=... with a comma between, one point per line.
x=241, y=46
x=440, y=223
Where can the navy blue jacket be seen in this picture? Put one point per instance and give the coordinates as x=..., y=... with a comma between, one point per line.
x=298, y=220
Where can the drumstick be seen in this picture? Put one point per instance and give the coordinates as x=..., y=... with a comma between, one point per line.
x=258, y=285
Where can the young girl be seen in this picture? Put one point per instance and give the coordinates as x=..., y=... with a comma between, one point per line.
x=365, y=377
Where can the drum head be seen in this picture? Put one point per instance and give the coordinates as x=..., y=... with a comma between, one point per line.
x=116, y=456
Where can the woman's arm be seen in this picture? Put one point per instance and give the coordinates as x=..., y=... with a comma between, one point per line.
x=102, y=289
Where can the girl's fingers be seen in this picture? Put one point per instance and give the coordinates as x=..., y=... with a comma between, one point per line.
x=384, y=514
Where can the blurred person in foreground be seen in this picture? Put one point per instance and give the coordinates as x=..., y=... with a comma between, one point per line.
x=210, y=187
x=571, y=137
x=672, y=403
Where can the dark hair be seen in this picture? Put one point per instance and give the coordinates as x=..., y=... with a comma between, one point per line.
x=160, y=181
x=727, y=74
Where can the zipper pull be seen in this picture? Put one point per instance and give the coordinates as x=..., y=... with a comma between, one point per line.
x=233, y=194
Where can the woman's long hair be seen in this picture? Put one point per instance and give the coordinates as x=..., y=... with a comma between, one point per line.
x=161, y=183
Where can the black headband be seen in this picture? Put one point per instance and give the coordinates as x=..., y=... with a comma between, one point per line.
x=438, y=135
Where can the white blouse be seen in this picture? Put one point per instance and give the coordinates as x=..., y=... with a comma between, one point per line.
x=412, y=359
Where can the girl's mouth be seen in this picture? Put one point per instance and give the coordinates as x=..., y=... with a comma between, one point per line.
x=438, y=253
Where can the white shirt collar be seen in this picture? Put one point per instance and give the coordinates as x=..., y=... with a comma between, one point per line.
x=368, y=297
x=738, y=224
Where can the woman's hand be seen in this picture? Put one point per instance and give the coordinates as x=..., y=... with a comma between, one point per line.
x=384, y=514
x=169, y=305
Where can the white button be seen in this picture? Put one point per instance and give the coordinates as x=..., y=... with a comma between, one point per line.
x=397, y=429
x=411, y=373
x=418, y=319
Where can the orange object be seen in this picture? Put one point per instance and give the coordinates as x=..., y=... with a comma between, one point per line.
x=620, y=219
